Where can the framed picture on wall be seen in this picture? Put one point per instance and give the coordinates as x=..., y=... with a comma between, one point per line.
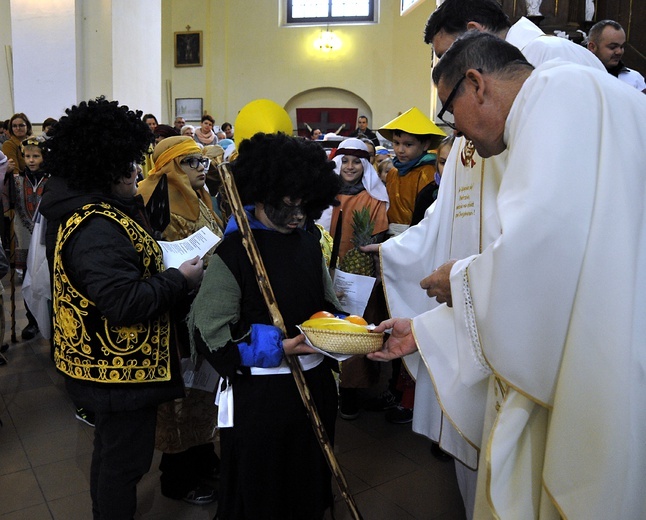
x=188, y=49
x=188, y=108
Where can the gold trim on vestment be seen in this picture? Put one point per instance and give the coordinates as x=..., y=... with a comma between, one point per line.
x=494, y=371
x=490, y=436
x=482, y=170
x=465, y=156
x=444, y=413
x=553, y=500
x=383, y=285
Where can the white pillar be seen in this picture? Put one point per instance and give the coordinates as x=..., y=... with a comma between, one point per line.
x=44, y=57
x=67, y=51
x=136, y=54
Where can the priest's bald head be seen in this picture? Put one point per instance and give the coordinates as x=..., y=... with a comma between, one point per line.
x=478, y=79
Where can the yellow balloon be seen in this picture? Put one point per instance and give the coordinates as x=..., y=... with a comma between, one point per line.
x=261, y=115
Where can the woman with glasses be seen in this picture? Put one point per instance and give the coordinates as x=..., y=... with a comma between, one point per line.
x=185, y=427
x=19, y=130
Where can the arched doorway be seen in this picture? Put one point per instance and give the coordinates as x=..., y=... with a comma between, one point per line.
x=326, y=99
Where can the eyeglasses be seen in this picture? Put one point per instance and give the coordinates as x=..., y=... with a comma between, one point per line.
x=194, y=162
x=449, y=100
x=18, y=126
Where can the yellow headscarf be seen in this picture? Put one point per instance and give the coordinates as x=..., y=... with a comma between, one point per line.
x=183, y=199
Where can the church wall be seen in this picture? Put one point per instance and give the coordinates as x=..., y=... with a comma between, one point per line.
x=249, y=55
x=94, y=56
x=120, y=52
x=137, y=54
x=6, y=109
x=44, y=56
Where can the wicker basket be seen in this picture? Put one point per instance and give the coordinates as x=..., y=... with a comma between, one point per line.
x=339, y=342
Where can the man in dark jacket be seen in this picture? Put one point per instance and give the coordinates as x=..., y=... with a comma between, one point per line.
x=112, y=331
x=362, y=130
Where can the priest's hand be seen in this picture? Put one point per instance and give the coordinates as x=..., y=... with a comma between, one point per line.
x=370, y=248
x=438, y=284
x=401, y=341
x=296, y=346
x=373, y=249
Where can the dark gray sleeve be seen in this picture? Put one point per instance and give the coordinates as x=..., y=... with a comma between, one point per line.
x=103, y=265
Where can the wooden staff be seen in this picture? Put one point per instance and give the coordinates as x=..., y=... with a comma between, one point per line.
x=11, y=196
x=12, y=275
x=268, y=294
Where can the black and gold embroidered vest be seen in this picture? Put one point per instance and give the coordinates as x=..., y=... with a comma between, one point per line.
x=87, y=347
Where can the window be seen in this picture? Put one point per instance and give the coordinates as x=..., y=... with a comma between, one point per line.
x=330, y=11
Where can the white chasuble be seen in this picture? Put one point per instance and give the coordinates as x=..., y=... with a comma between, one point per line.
x=462, y=219
x=554, y=309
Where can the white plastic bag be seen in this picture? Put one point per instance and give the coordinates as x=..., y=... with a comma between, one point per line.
x=36, y=287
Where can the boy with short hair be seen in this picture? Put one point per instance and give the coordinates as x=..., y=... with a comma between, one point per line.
x=412, y=135
x=24, y=192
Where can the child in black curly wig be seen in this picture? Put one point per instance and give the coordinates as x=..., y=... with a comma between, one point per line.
x=113, y=329
x=272, y=166
x=95, y=145
x=272, y=466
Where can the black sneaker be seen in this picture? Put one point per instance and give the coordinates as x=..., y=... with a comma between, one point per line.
x=385, y=401
x=85, y=416
x=439, y=453
x=30, y=331
x=399, y=415
x=200, y=495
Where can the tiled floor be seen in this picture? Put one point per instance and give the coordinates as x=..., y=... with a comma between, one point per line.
x=45, y=456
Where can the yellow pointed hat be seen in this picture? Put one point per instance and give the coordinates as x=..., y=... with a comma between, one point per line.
x=413, y=121
x=261, y=115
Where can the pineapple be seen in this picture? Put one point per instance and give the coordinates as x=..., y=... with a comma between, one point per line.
x=356, y=261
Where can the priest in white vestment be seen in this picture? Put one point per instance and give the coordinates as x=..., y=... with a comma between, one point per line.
x=464, y=219
x=545, y=346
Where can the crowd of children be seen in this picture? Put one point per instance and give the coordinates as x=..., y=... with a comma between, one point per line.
x=235, y=335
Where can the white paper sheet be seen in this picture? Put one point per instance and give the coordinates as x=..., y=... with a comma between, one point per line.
x=199, y=243
x=206, y=378
x=353, y=291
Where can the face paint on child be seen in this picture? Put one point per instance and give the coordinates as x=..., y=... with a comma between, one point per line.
x=286, y=217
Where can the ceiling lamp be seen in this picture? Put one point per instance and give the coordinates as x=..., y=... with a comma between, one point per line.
x=327, y=41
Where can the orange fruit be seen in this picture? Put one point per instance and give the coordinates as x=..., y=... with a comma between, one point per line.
x=357, y=320
x=321, y=314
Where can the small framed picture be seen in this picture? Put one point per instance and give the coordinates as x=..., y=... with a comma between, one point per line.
x=188, y=49
x=188, y=108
